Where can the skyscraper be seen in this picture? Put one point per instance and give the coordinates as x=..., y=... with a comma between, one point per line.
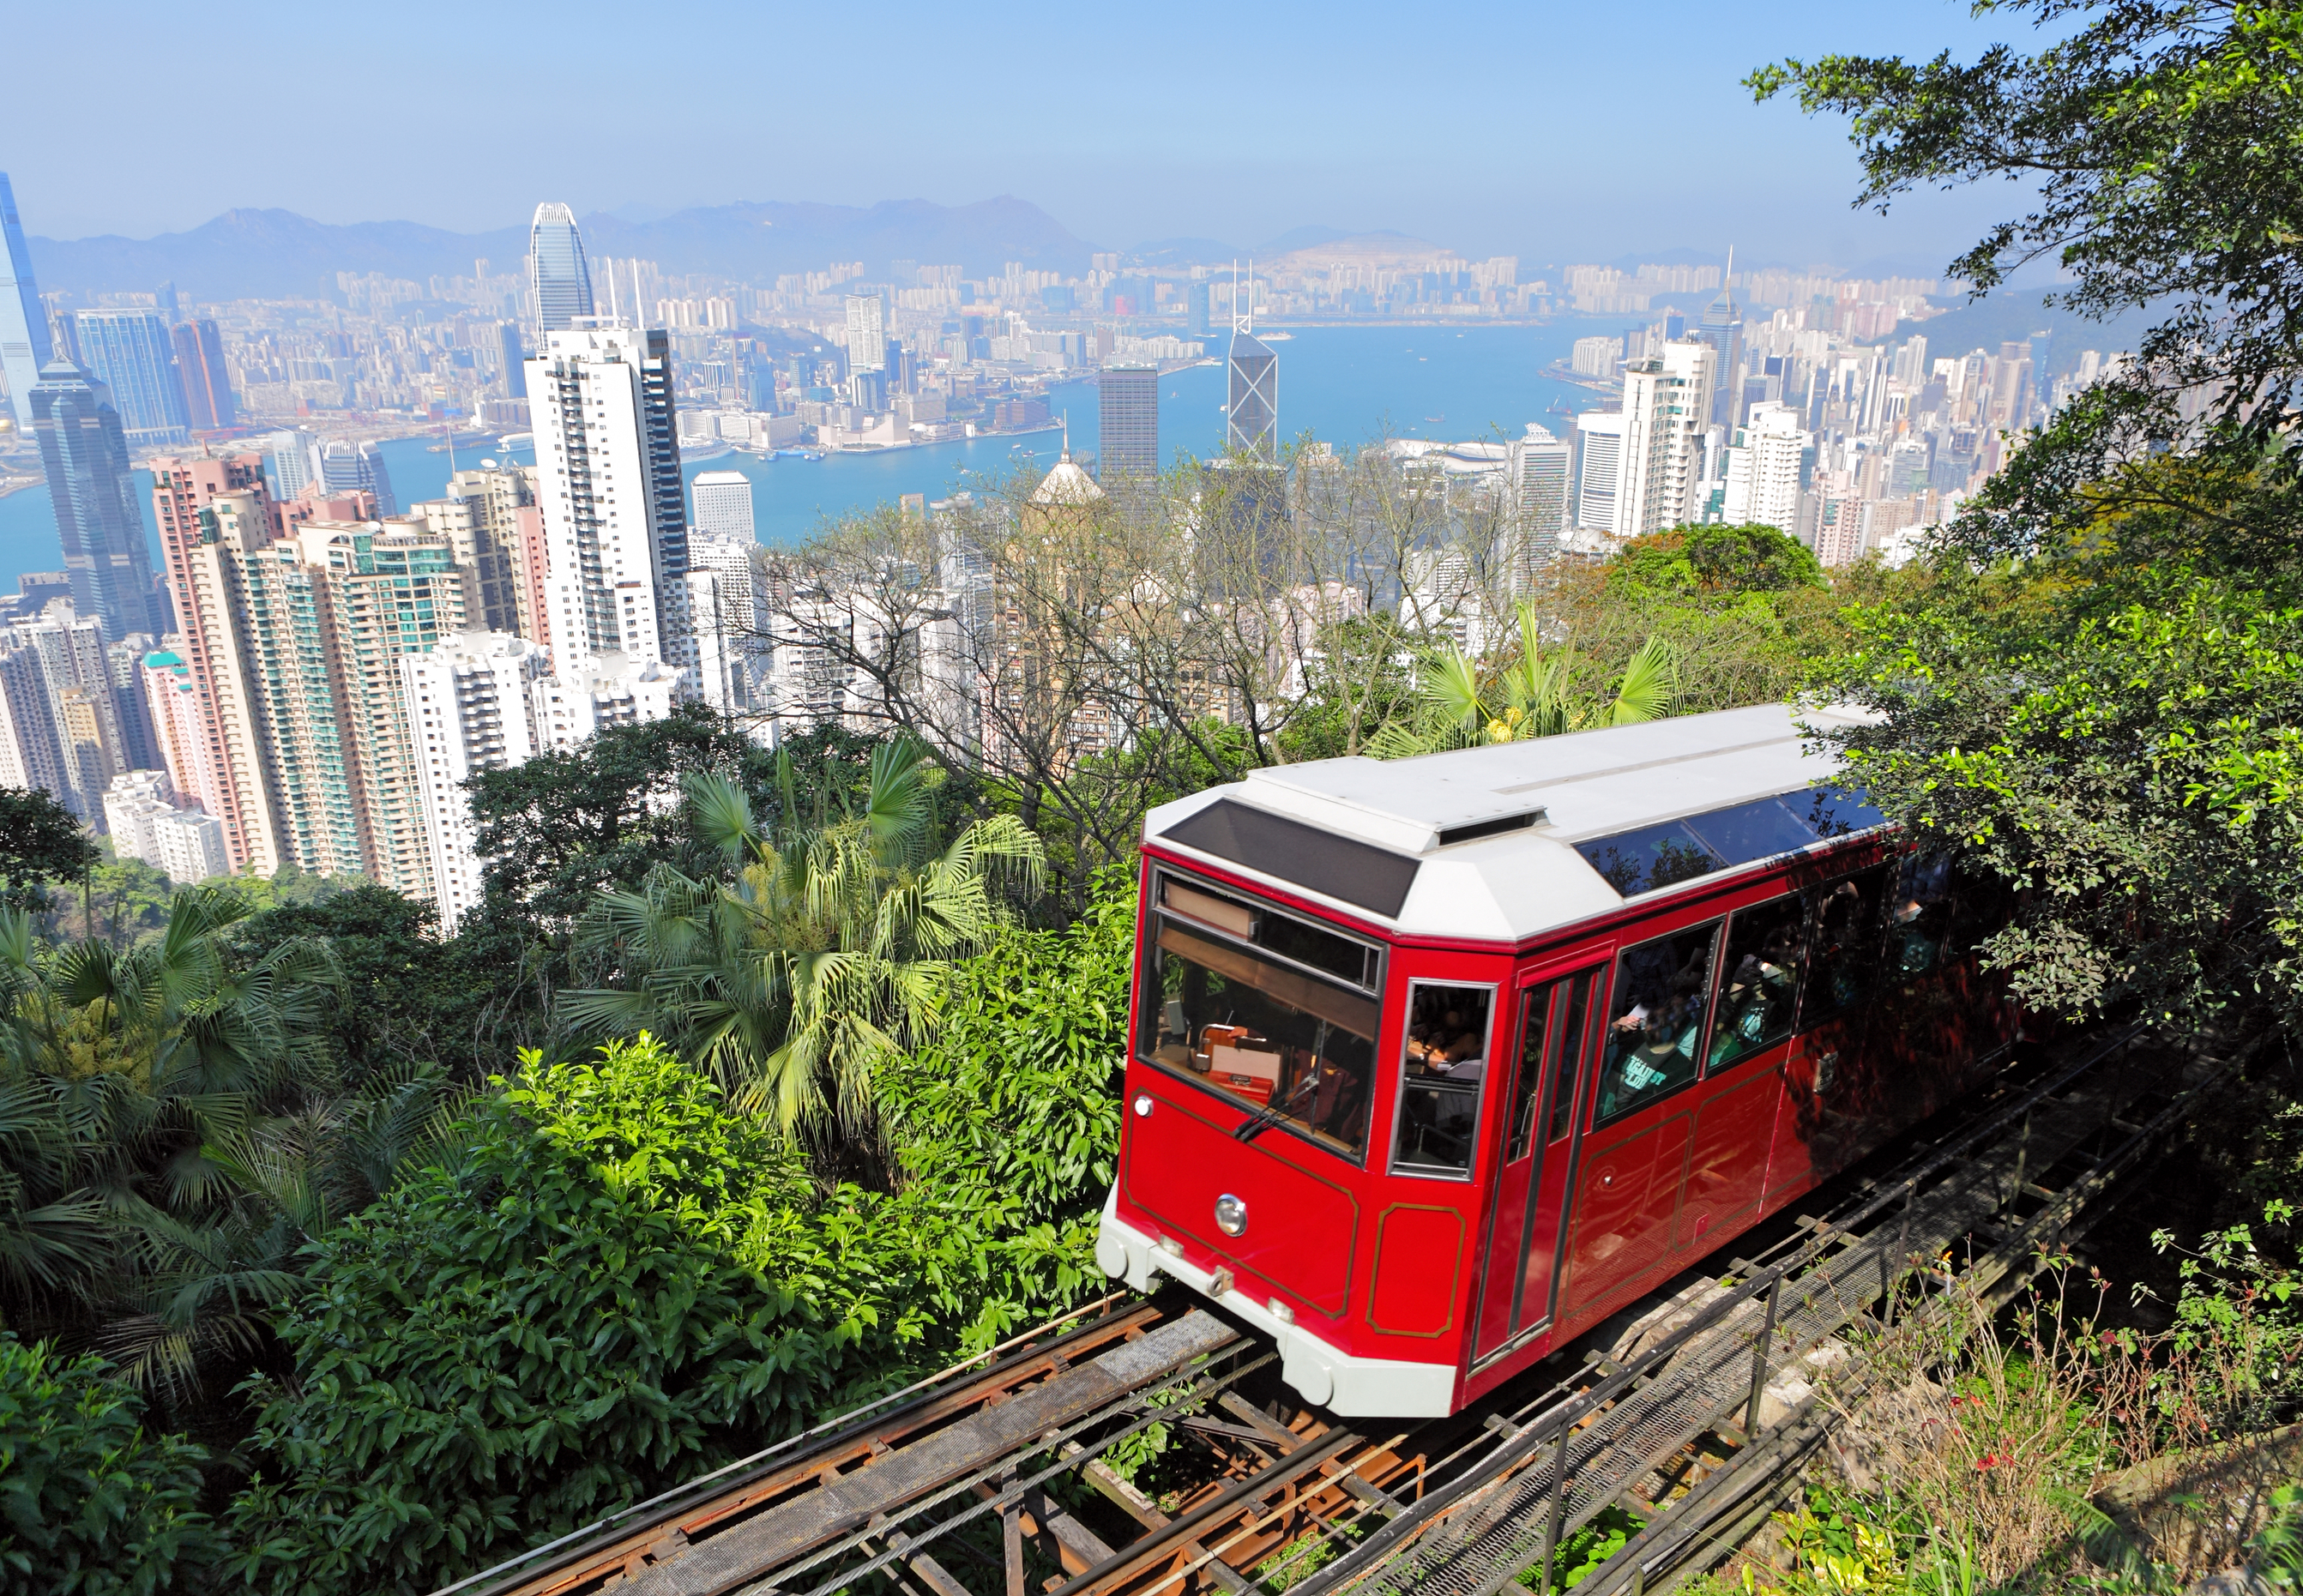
x=558, y=276
x=200, y=366
x=608, y=482
x=723, y=506
x=85, y=455
x=1599, y=441
x=867, y=334
x=1666, y=402
x=470, y=707
x=1127, y=434
x=1539, y=466
x=288, y=461
x=1251, y=418
x=347, y=467
x=213, y=514
x=514, y=358
x=1723, y=330
x=24, y=346
x=480, y=518
x=1195, y=310
x=131, y=353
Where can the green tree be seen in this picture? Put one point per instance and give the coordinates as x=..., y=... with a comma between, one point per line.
x=563, y=827
x=824, y=953
x=1532, y=692
x=1682, y=562
x=40, y=841
x=91, y=1503
x=2095, y=698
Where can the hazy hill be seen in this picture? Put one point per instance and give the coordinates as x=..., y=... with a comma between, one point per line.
x=277, y=254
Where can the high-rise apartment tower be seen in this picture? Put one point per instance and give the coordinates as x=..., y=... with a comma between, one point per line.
x=608, y=482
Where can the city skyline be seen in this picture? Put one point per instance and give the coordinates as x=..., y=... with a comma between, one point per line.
x=1599, y=182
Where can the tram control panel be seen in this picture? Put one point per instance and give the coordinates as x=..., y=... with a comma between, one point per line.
x=1436, y=1062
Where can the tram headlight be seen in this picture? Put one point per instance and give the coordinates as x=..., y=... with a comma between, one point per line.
x=1144, y=1105
x=1231, y=1215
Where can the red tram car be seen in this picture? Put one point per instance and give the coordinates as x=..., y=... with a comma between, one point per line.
x=1436, y=1062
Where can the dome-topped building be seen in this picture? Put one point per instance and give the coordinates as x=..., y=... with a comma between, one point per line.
x=1068, y=483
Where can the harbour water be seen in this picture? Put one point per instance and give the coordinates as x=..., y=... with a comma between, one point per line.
x=1341, y=385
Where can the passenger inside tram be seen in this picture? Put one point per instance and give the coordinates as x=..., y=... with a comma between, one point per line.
x=1659, y=1002
x=1446, y=1061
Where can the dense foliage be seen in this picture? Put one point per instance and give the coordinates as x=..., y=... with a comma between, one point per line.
x=612, y=1280
x=91, y=1503
x=41, y=842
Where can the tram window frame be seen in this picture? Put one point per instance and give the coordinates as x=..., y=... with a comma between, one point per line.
x=1155, y=1025
x=1619, y=988
x=1793, y=909
x=1920, y=919
x=1427, y=1085
x=1548, y=1062
x=1229, y=905
x=1867, y=940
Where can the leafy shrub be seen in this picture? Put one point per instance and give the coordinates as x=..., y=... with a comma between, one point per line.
x=616, y=1282
x=91, y=1503
x=567, y=1314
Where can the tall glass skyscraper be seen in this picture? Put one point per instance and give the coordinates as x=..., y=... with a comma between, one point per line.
x=200, y=368
x=85, y=455
x=349, y=468
x=1127, y=431
x=24, y=346
x=1251, y=418
x=557, y=273
x=131, y=353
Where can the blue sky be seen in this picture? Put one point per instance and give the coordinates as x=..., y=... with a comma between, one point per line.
x=1552, y=131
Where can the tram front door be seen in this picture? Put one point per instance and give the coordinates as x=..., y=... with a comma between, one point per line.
x=1519, y=1270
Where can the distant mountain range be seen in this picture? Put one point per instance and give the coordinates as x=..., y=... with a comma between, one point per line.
x=277, y=254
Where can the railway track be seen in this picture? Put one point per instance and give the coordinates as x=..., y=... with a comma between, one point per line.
x=984, y=1478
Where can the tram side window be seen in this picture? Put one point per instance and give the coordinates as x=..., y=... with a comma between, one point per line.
x=1758, y=982
x=1920, y=925
x=1656, y=1024
x=1278, y=1041
x=1843, y=947
x=1447, y=1059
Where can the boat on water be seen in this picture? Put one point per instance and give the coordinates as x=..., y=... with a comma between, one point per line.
x=795, y=454
x=705, y=448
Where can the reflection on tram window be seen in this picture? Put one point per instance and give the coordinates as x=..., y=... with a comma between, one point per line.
x=1439, y=1086
x=1843, y=947
x=1657, y=1023
x=1653, y=857
x=1759, y=983
x=1297, y=1049
x=1920, y=924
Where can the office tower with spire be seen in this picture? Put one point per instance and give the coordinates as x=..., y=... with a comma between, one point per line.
x=24, y=345
x=615, y=519
x=84, y=454
x=1722, y=329
x=200, y=368
x=1252, y=410
x=132, y=353
x=558, y=278
x=1127, y=427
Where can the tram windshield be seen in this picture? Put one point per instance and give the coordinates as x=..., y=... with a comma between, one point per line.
x=1275, y=1012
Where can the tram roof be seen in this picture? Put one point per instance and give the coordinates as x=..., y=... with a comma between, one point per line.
x=1483, y=843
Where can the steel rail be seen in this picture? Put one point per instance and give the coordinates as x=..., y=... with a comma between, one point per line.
x=1004, y=1358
